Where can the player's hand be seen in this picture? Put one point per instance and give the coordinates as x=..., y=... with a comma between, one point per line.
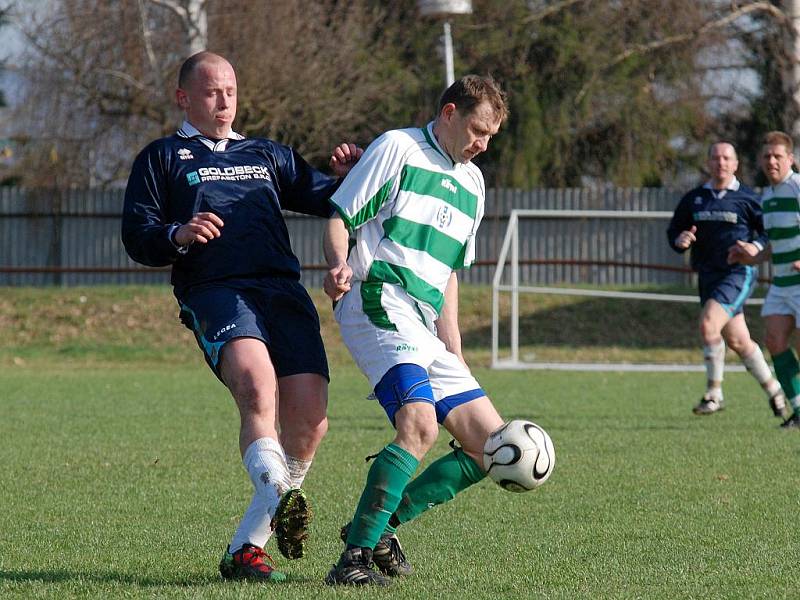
x=686, y=238
x=202, y=228
x=743, y=253
x=344, y=157
x=796, y=265
x=337, y=281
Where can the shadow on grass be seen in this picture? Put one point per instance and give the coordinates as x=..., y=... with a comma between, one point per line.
x=104, y=578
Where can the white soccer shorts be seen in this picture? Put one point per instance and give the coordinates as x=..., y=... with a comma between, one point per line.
x=377, y=350
x=782, y=301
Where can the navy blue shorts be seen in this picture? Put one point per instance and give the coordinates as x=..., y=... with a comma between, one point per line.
x=730, y=288
x=277, y=311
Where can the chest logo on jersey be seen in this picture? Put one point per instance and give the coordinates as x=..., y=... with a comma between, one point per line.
x=449, y=185
x=716, y=215
x=237, y=173
x=185, y=154
x=444, y=216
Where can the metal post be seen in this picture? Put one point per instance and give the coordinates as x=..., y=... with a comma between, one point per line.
x=448, y=55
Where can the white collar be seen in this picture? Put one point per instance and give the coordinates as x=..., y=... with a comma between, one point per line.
x=733, y=186
x=188, y=130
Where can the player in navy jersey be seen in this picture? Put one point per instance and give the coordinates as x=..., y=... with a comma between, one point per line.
x=208, y=201
x=709, y=220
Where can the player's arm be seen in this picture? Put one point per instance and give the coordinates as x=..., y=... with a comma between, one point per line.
x=748, y=253
x=681, y=231
x=447, y=324
x=335, y=245
x=149, y=237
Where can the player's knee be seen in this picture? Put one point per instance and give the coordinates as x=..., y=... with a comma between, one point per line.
x=709, y=331
x=417, y=434
x=776, y=342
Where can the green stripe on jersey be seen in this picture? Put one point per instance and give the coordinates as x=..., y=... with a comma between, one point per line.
x=779, y=258
x=783, y=233
x=787, y=281
x=426, y=239
x=773, y=205
x=439, y=185
x=416, y=287
x=371, y=208
x=371, y=303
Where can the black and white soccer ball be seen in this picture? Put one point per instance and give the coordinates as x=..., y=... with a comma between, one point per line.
x=519, y=456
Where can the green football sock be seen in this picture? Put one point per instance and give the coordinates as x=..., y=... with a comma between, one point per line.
x=387, y=477
x=439, y=483
x=786, y=370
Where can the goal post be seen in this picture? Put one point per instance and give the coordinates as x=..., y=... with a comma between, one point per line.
x=509, y=257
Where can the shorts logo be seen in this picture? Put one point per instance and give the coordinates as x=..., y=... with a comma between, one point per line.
x=185, y=154
x=193, y=178
x=698, y=200
x=405, y=348
x=444, y=216
x=223, y=330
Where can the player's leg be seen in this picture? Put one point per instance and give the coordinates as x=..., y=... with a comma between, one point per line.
x=227, y=330
x=713, y=318
x=737, y=337
x=301, y=366
x=405, y=394
x=779, y=328
x=247, y=370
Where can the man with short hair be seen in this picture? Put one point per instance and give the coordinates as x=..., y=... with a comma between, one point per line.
x=208, y=201
x=412, y=206
x=709, y=219
x=781, y=311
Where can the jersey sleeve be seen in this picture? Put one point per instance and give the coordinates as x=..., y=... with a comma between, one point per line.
x=371, y=183
x=303, y=188
x=681, y=221
x=758, y=234
x=469, y=247
x=145, y=228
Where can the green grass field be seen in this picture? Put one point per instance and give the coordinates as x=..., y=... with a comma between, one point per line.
x=121, y=477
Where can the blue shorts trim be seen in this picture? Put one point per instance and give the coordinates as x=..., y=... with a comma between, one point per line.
x=730, y=289
x=445, y=405
x=401, y=385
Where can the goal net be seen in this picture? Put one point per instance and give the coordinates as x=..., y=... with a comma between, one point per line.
x=567, y=279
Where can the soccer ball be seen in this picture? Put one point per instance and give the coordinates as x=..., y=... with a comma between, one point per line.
x=519, y=456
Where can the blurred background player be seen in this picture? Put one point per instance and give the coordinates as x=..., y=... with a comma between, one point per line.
x=781, y=204
x=709, y=220
x=208, y=201
x=412, y=204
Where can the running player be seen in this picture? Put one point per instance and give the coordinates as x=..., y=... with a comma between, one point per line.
x=709, y=219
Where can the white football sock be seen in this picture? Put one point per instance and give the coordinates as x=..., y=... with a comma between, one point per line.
x=714, y=357
x=266, y=464
x=297, y=470
x=758, y=367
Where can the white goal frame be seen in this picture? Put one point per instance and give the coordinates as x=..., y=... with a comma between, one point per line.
x=511, y=245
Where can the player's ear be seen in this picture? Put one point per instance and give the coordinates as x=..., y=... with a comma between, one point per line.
x=181, y=99
x=448, y=110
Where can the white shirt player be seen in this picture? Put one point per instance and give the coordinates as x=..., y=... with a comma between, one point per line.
x=413, y=214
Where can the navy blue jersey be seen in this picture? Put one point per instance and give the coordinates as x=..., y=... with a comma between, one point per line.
x=246, y=184
x=720, y=223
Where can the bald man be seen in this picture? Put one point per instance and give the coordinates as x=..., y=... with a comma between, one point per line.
x=709, y=220
x=208, y=202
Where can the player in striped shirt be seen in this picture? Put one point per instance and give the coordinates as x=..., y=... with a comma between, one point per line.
x=781, y=205
x=411, y=206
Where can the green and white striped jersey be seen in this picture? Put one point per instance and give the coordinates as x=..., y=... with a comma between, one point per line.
x=782, y=223
x=412, y=213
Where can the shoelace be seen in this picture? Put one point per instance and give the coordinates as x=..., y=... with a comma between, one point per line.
x=258, y=553
x=395, y=551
